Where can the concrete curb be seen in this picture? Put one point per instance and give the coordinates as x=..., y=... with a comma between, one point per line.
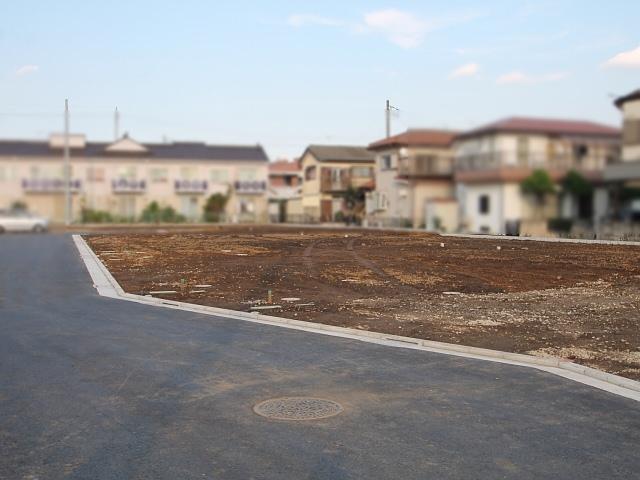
x=107, y=286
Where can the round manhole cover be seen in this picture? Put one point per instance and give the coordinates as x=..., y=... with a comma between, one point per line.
x=297, y=408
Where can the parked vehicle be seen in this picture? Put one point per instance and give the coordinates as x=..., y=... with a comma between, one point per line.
x=22, y=221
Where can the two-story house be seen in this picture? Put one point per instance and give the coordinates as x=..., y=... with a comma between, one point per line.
x=329, y=173
x=123, y=177
x=285, y=184
x=492, y=161
x=621, y=200
x=414, y=181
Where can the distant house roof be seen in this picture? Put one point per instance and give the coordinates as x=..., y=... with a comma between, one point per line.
x=284, y=166
x=635, y=95
x=340, y=153
x=545, y=126
x=419, y=137
x=174, y=151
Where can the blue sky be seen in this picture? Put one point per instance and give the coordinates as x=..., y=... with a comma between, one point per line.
x=286, y=74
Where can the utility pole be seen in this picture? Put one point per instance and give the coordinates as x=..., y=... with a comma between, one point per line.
x=387, y=116
x=116, y=124
x=67, y=167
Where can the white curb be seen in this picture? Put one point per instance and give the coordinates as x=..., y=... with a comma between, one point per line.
x=107, y=286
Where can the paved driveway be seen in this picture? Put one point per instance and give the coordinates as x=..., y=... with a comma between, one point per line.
x=96, y=388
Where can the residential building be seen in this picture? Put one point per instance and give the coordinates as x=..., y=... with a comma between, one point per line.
x=493, y=160
x=285, y=184
x=329, y=173
x=414, y=181
x=620, y=198
x=124, y=176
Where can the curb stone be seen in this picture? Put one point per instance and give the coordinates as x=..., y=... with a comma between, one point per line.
x=107, y=286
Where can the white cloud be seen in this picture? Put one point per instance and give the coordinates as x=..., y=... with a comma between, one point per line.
x=302, y=19
x=468, y=70
x=629, y=59
x=27, y=70
x=523, y=78
x=401, y=28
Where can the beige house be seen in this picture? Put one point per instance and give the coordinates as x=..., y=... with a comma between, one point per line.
x=619, y=199
x=493, y=160
x=285, y=185
x=329, y=171
x=124, y=176
x=414, y=181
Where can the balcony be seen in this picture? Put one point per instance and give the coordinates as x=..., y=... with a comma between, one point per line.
x=191, y=186
x=334, y=180
x=425, y=166
x=250, y=187
x=49, y=185
x=124, y=185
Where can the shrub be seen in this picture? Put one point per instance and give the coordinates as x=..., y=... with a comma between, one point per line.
x=339, y=216
x=88, y=215
x=153, y=213
x=214, y=208
x=560, y=225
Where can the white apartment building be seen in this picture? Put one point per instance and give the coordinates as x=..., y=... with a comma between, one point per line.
x=491, y=162
x=124, y=176
x=414, y=181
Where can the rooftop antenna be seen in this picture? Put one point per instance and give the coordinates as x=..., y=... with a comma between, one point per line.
x=387, y=116
x=116, y=124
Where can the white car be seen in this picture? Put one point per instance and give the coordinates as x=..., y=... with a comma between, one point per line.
x=21, y=221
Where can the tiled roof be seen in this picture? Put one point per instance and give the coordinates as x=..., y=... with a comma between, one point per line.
x=416, y=138
x=284, y=166
x=545, y=126
x=340, y=153
x=174, y=151
x=635, y=95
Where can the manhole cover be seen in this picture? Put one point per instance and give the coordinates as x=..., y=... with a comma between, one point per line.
x=297, y=408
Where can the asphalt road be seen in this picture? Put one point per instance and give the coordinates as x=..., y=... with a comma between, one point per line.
x=96, y=388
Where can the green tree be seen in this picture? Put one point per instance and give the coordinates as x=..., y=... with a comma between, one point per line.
x=538, y=184
x=575, y=184
x=214, y=207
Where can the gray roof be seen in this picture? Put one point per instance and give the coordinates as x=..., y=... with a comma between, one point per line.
x=174, y=151
x=340, y=153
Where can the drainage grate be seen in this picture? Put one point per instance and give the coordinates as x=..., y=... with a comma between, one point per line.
x=297, y=408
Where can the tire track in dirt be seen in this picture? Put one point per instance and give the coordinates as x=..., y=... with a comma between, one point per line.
x=315, y=274
x=370, y=265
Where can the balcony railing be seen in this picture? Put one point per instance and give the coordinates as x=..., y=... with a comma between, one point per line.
x=340, y=179
x=425, y=166
x=501, y=160
x=49, y=185
x=250, y=187
x=124, y=185
x=191, y=186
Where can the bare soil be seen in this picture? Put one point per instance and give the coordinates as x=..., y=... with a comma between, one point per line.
x=576, y=301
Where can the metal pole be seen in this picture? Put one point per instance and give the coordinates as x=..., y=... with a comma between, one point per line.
x=67, y=167
x=387, y=117
x=116, y=125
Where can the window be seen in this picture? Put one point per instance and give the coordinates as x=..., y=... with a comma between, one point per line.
x=219, y=175
x=386, y=162
x=95, y=174
x=127, y=172
x=361, y=172
x=246, y=206
x=288, y=180
x=247, y=174
x=310, y=173
x=159, y=175
x=483, y=204
x=188, y=173
x=523, y=150
x=335, y=175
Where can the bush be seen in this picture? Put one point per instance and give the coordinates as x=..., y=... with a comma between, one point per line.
x=214, y=208
x=153, y=213
x=87, y=215
x=560, y=225
x=539, y=184
x=19, y=206
x=339, y=216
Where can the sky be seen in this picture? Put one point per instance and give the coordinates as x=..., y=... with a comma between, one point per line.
x=289, y=73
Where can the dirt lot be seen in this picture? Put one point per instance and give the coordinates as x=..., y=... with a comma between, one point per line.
x=577, y=301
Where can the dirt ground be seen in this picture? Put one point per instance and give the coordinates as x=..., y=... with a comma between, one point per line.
x=576, y=301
